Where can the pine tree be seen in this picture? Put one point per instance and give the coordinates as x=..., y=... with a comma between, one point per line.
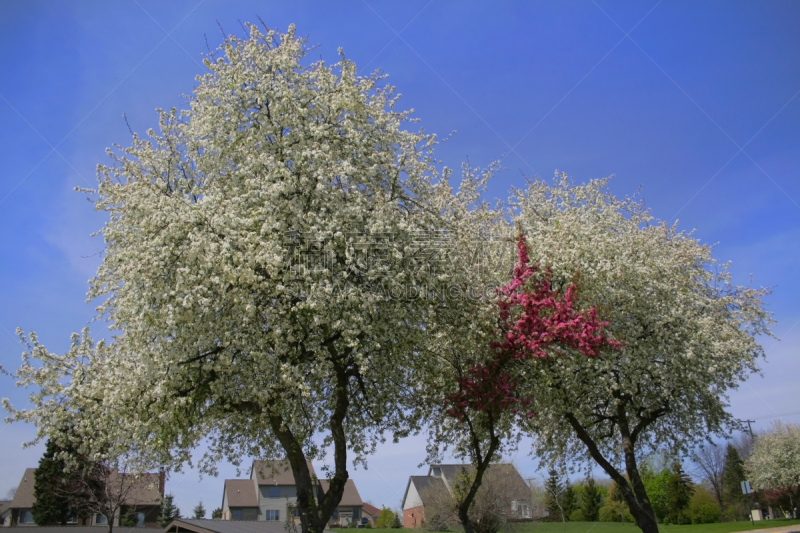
x=61, y=493
x=168, y=511
x=397, y=523
x=591, y=500
x=732, y=477
x=52, y=505
x=570, y=500
x=199, y=511
x=679, y=493
x=216, y=514
x=130, y=518
x=554, y=497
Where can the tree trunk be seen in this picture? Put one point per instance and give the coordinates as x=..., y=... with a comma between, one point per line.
x=482, y=464
x=314, y=514
x=642, y=511
x=645, y=516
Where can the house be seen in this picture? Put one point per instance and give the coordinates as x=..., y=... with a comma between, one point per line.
x=140, y=495
x=441, y=479
x=371, y=513
x=350, y=509
x=5, y=513
x=270, y=494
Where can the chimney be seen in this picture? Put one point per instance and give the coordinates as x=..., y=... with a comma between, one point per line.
x=162, y=481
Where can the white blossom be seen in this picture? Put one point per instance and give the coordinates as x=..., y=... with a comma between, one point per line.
x=775, y=460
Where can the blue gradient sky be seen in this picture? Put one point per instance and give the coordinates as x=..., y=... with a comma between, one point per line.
x=697, y=104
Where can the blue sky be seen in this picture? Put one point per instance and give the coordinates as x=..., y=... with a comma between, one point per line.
x=696, y=104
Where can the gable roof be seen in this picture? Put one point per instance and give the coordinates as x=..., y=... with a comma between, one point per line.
x=507, y=470
x=449, y=472
x=424, y=485
x=350, y=496
x=241, y=493
x=145, y=489
x=23, y=499
x=275, y=472
x=4, y=505
x=371, y=510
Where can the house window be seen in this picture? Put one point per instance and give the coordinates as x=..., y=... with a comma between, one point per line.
x=336, y=514
x=356, y=513
x=437, y=472
x=272, y=515
x=100, y=519
x=296, y=513
x=139, y=519
x=236, y=514
x=25, y=516
x=274, y=492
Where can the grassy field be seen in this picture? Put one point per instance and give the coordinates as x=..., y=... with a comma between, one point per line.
x=613, y=527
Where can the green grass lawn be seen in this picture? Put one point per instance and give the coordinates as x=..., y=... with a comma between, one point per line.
x=614, y=527
x=727, y=527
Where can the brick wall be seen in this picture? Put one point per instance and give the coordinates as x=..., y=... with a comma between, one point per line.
x=413, y=517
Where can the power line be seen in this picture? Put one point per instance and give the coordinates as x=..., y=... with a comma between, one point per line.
x=766, y=417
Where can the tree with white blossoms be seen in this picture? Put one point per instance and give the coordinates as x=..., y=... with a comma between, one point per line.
x=774, y=463
x=687, y=334
x=263, y=254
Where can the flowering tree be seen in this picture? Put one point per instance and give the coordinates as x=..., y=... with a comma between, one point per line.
x=687, y=334
x=260, y=253
x=775, y=461
x=534, y=321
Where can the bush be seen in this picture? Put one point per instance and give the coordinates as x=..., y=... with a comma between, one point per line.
x=614, y=511
x=367, y=526
x=577, y=516
x=703, y=508
x=385, y=518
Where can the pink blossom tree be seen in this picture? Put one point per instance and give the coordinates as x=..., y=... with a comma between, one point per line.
x=535, y=320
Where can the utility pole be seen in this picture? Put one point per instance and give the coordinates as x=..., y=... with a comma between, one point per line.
x=749, y=427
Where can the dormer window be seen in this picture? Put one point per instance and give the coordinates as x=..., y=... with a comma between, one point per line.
x=437, y=472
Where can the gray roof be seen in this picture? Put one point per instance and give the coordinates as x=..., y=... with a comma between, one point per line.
x=350, y=496
x=276, y=472
x=450, y=472
x=4, y=504
x=426, y=486
x=23, y=499
x=225, y=526
x=241, y=493
x=143, y=492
